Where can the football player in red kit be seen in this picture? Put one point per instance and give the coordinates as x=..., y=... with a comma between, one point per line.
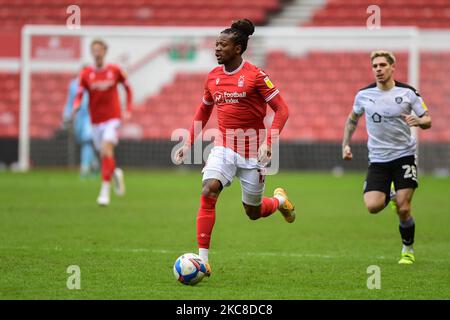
x=241, y=92
x=100, y=82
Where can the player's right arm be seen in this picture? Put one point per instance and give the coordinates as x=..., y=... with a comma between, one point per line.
x=201, y=118
x=350, y=127
x=72, y=91
x=79, y=95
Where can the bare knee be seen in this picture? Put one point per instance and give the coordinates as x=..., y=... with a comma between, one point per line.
x=107, y=149
x=374, y=207
x=211, y=188
x=375, y=201
x=253, y=216
x=404, y=198
x=252, y=212
x=404, y=211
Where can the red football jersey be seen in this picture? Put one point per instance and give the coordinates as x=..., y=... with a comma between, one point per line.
x=241, y=98
x=101, y=84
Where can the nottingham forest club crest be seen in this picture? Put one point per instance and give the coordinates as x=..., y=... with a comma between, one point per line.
x=241, y=81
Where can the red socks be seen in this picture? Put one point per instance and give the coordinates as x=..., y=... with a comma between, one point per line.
x=205, y=221
x=206, y=217
x=108, y=166
x=269, y=206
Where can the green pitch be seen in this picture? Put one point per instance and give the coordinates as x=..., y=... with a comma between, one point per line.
x=49, y=221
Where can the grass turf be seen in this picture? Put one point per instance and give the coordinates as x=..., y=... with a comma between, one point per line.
x=49, y=220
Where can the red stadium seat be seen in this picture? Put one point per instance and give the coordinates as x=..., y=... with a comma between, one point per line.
x=327, y=102
x=318, y=86
x=318, y=101
x=422, y=13
x=137, y=12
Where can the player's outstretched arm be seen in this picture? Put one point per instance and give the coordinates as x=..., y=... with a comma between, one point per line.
x=349, y=129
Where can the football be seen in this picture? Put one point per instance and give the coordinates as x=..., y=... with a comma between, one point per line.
x=189, y=269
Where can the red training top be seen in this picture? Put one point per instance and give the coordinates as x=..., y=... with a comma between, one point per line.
x=101, y=85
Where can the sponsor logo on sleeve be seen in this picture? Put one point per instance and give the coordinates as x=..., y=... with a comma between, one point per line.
x=424, y=105
x=268, y=82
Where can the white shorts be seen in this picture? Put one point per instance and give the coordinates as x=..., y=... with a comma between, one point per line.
x=224, y=164
x=105, y=131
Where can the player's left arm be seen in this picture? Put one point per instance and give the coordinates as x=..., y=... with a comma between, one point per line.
x=124, y=81
x=272, y=96
x=422, y=119
x=281, y=109
x=423, y=122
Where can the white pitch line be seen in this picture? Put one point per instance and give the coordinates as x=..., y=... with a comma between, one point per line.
x=293, y=255
x=165, y=251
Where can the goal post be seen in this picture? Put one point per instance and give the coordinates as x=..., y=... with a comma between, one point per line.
x=139, y=48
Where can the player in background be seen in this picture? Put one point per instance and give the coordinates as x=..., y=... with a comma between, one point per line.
x=388, y=105
x=100, y=82
x=82, y=128
x=241, y=92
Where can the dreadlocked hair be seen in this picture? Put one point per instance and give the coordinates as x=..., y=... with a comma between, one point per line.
x=241, y=30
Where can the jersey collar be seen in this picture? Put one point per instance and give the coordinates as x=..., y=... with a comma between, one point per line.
x=98, y=69
x=236, y=70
